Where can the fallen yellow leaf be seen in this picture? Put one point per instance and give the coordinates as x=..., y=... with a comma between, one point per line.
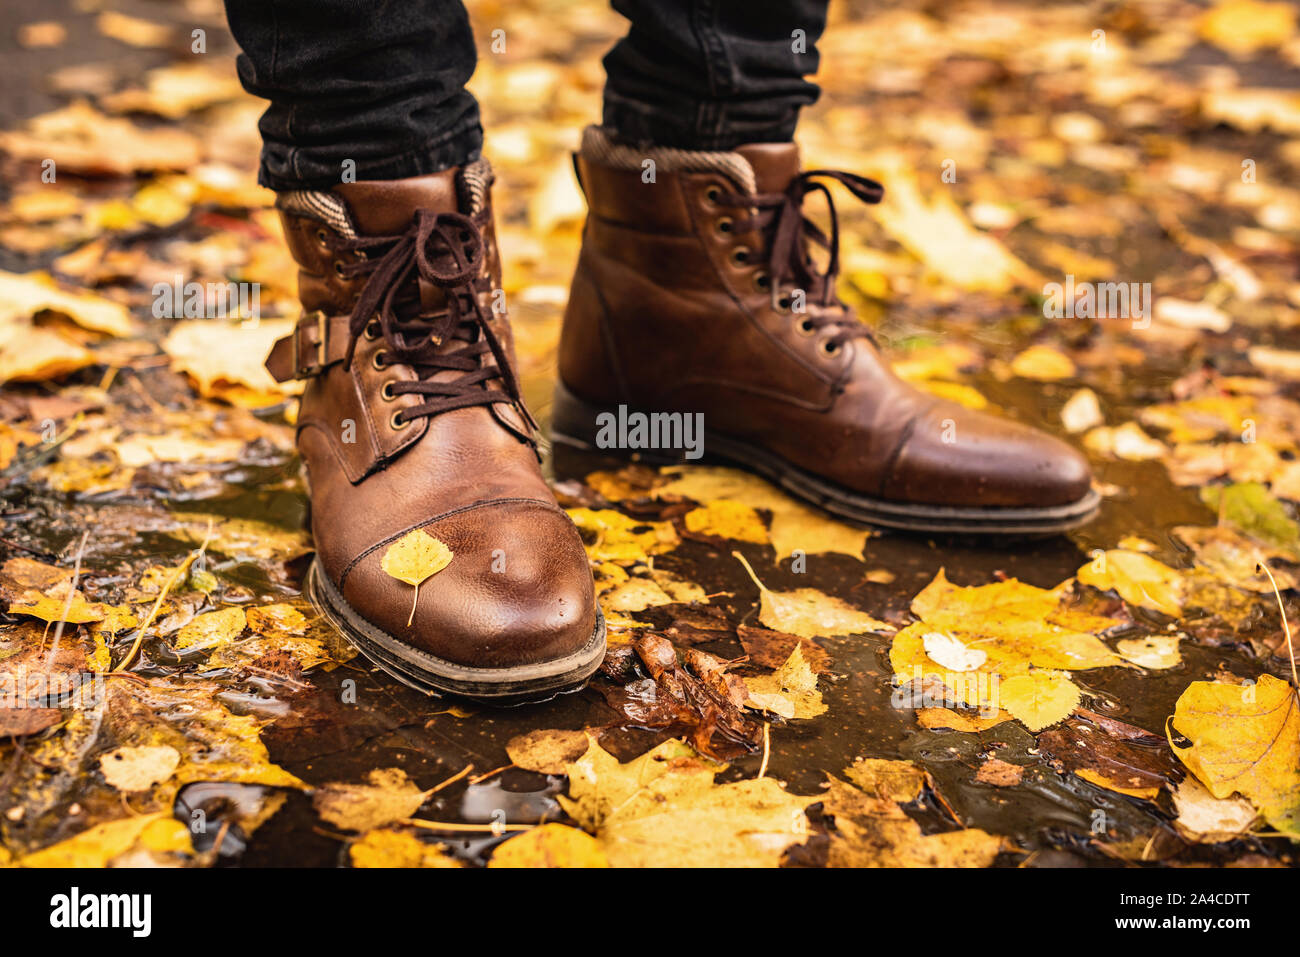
x=726, y=518
x=790, y=691
x=1039, y=698
x=551, y=845
x=1244, y=739
x=384, y=847
x=1139, y=579
x=664, y=810
x=413, y=558
x=387, y=796
x=809, y=613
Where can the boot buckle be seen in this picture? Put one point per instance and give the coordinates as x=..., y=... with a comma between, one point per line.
x=322, y=334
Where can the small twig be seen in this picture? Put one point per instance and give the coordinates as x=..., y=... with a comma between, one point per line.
x=138, y=679
x=1286, y=625
x=741, y=558
x=215, y=851
x=767, y=748
x=495, y=827
x=67, y=604
x=483, y=777
x=26, y=548
x=145, y=394
x=451, y=780
x=948, y=807
x=162, y=595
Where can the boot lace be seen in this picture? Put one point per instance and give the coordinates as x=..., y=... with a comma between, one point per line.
x=447, y=250
x=779, y=217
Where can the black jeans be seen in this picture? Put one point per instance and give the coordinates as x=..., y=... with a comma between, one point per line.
x=377, y=89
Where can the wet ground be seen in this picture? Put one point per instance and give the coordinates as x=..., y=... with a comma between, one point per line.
x=339, y=721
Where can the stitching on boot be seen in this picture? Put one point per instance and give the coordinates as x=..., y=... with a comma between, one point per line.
x=490, y=503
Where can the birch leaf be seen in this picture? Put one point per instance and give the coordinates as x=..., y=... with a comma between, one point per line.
x=413, y=559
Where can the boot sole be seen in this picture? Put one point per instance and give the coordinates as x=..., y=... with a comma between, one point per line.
x=573, y=423
x=427, y=673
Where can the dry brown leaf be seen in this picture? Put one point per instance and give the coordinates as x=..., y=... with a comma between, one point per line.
x=547, y=751
x=138, y=769
x=387, y=796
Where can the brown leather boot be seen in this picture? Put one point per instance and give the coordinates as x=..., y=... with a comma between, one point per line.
x=694, y=293
x=412, y=419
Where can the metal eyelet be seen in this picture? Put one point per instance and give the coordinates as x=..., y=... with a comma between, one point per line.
x=740, y=255
x=396, y=420
x=386, y=391
x=829, y=349
x=780, y=304
x=371, y=331
x=338, y=268
x=762, y=281
x=377, y=360
x=713, y=193
x=323, y=238
x=805, y=327
x=724, y=225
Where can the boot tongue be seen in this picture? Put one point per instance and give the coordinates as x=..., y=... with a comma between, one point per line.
x=386, y=207
x=774, y=164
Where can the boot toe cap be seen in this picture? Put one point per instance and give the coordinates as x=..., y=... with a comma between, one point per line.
x=517, y=591
x=957, y=457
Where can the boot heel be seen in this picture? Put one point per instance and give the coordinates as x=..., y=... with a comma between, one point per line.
x=578, y=423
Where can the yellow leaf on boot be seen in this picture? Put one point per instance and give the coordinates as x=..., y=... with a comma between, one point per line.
x=413, y=558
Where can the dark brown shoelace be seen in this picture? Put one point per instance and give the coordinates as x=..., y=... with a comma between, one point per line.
x=779, y=217
x=447, y=250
